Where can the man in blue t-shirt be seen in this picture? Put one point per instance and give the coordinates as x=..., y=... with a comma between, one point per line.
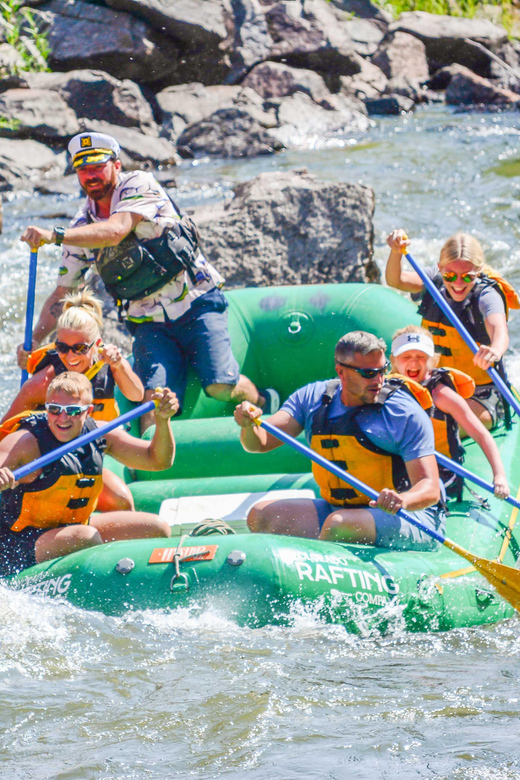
x=377, y=432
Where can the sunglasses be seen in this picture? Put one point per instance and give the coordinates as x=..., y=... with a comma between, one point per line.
x=367, y=373
x=451, y=276
x=79, y=349
x=71, y=411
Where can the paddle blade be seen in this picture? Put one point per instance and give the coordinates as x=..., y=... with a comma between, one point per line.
x=505, y=579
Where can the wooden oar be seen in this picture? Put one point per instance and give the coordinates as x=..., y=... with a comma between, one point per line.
x=29, y=310
x=462, y=330
x=504, y=579
x=86, y=438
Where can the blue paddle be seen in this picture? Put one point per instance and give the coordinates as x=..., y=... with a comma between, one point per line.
x=29, y=311
x=462, y=330
x=505, y=579
x=462, y=472
x=69, y=446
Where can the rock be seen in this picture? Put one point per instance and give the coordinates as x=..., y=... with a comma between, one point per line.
x=365, y=9
x=402, y=56
x=401, y=85
x=38, y=114
x=303, y=124
x=197, y=29
x=82, y=35
x=469, y=89
x=442, y=77
x=369, y=83
x=92, y=94
x=365, y=35
x=65, y=185
x=11, y=60
x=114, y=331
x=24, y=161
x=444, y=38
x=390, y=104
x=286, y=227
x=138, y=150
x=229, y=132
x=252, y=41
x=274, y=79
x=508, y=75
x=188, y=104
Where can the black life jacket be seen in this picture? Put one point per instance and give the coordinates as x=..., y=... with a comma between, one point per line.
x=136, y=267
x=66, y=491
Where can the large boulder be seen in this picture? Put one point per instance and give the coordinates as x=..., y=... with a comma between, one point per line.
x=95, y=95
x=290, y=228
x=38, y=114
x=83, y=35
x=365, y=35
x=445, y=38
x=402, y=56
x=188, y=104
x=251, y=42
x=369, y=83
x=275, y=79
x=466, y=88
x=198, y=30
x=229, y=132
x=365, y=9
x=22, y=162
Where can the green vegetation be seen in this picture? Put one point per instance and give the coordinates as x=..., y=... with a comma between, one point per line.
x=22, y=32
x=501, y=11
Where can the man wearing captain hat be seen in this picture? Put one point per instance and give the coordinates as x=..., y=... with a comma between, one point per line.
x=148, y=256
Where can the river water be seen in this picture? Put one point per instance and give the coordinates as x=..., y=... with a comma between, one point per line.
x=153, y=696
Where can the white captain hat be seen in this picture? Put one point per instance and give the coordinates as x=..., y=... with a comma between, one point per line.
x=93, y=149
x=408, y=341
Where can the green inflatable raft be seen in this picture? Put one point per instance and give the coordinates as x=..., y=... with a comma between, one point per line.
x=284, y=338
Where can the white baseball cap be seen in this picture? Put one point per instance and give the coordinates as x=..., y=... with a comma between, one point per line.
x=93, y=149
x=408, y=341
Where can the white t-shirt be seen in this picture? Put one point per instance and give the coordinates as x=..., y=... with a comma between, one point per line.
x=139, y=193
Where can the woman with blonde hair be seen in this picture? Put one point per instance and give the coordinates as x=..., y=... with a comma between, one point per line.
x=413, y=357
x=79, y=347
x=481, y=300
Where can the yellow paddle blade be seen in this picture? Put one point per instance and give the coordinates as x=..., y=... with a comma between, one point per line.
x=505, y=579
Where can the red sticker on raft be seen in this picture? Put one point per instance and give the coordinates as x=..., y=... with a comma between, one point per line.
x=203, y=552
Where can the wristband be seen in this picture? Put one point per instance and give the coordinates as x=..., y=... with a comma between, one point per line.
x=58, y=235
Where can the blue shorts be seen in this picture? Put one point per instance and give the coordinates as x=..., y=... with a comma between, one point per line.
x=17, y=549
x=200, y=338
x=392, y=531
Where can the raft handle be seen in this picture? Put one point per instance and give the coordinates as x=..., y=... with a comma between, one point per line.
x=179, y=582
x=294, y=327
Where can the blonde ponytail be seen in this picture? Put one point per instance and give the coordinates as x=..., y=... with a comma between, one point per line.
x=82, y=311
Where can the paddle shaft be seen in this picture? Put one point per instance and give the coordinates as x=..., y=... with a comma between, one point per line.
x=463, y=332
x=69, y=446
x=29, y=311
x=462, y=472
x=345, y=476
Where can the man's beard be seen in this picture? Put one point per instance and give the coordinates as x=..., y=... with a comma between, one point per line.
x=99, y=193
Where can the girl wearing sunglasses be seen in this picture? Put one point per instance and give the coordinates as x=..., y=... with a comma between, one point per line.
x=78, y=347
x=481, y=300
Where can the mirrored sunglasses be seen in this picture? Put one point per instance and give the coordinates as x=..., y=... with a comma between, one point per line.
x=451, y=276
x=368, y=373
x=71, y=411
x=79, y=349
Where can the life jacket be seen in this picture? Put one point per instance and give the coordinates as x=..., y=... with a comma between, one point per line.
x=344, y=443
x=136, y=268
x=103, y=387
x=446, y=429
x=100, y=376
x=66, y=491
x=448, y=343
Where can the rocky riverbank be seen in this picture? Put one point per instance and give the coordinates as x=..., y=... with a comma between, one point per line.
x=240, y=78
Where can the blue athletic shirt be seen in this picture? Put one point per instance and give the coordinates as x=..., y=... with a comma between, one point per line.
x=401, y=427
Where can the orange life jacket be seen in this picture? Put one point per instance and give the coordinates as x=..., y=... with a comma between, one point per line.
x=66, y=491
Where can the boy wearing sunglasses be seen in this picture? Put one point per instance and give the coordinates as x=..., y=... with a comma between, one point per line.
x=49, y=513
x=375, y=430
x=479, y=297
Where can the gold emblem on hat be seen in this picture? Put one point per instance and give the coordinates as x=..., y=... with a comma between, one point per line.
x=86, y=141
